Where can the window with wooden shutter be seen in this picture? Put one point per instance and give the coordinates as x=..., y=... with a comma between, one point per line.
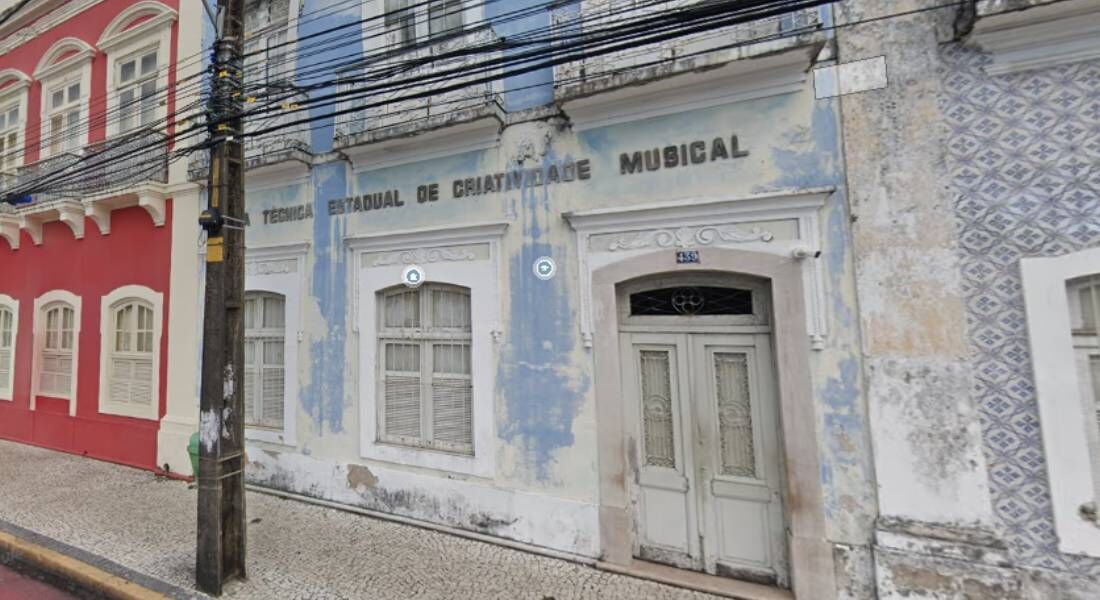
x=131, y=369
x=426, y=385
x=267, y=55
x=1084, y=303
x=55, y=378
x=7, y=348
x=264, y=360
x=11, y=155
x=444, y=16
x=136, y=78
x=63, y=107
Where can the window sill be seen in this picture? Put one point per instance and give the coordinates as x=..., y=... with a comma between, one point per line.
x=270, y=436
x=124, y=411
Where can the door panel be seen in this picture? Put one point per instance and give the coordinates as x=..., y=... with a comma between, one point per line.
x=664, y=506
x=740, y=468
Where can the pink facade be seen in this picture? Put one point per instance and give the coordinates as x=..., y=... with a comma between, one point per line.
x=84, y=271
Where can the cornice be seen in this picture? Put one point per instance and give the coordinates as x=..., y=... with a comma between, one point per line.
x=52, y=19
x=1040, y=35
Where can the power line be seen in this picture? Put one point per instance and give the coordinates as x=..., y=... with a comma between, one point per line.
x=742, y=43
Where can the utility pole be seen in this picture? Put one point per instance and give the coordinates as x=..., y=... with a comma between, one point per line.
x=220, y=554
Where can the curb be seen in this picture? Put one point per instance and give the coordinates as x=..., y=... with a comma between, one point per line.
x=82, y=574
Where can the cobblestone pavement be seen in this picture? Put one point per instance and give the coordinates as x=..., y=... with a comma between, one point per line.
x=296, y=550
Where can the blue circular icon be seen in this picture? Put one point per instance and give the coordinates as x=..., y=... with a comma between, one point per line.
x=412, y=276
x=545, y=267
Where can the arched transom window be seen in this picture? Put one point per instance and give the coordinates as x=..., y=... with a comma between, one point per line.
x=131, y=368
x=426, y=387
x=56, y=376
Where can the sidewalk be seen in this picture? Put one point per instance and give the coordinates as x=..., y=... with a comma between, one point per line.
x=131, y=522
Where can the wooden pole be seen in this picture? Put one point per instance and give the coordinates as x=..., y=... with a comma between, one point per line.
x=220, y=553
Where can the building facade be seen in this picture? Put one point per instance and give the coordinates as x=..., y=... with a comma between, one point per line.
x=85, y=288
x=809, y=301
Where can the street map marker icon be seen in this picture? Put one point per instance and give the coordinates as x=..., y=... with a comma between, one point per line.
x=545, y=267
x=412, y=276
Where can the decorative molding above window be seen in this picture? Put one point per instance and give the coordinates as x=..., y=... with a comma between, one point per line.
x=424, y=256
x=64, y=54
x=35, y=24
x=122, y=29
x=783, y=223
x=1041, y=35
x=22, y=81
x=689, y=237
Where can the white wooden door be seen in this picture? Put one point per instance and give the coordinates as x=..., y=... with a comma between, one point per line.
x=658, y=412
x=708, y=493
x=738, y=457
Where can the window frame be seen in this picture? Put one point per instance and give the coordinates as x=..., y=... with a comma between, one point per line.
x=421, y=26
x=7, y=389
x=76, y=68
x=465, y=256
x=266, y=33
x=17, y=151
x=42, y=303
x=1069, y=434
x=109, y=304
x=137, y=83
x=80, y=105
x=263, y=334
x=15, y=95
x=121, y=45
x=280, y=269
x=425, y=336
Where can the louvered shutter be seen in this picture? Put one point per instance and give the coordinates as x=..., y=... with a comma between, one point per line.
x=5, y=367
x=141, y=384
x=273, y=382
x=250, y=370
x=402, y=390
x=122, y=374
x=452, y=395
x=6, y=349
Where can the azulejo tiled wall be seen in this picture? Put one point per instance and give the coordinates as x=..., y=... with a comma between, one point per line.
x=1023, y=150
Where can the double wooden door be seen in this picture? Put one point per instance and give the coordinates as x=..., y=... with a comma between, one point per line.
x=702, y=409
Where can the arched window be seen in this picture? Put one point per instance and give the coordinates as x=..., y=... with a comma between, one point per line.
x=7, y=351
x=426, y=387
x=264, y=359
x=131, y=369
x=56, y=374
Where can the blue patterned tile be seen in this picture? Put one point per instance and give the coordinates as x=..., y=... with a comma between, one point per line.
x=1024, y=154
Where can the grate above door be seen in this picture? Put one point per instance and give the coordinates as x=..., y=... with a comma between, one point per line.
x=691, y=301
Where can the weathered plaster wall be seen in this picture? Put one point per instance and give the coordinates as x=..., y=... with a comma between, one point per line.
x=928, y=459
x=545, y=489
x=545, y=423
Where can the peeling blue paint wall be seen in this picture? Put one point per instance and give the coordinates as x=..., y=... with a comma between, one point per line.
x=541, y=396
